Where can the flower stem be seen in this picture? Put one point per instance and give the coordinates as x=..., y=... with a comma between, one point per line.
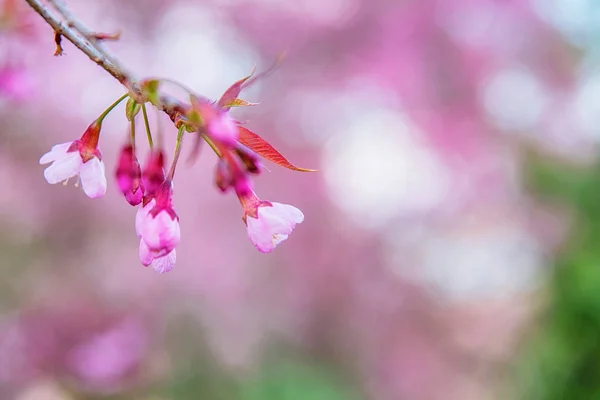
x=177, y=152
x=147, y=124
x=132, y=137
x=212, y=145
x=111, y=107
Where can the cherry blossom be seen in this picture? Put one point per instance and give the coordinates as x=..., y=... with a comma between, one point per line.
x=80, y=158
x=269, y=223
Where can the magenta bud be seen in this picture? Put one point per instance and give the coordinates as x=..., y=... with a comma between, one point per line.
x=128, y=176
x=242, y=185
x=248, y=158
x=153, y=174
x=222, y=176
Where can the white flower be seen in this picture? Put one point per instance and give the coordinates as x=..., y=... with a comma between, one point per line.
x=273, y=225
x=67, y=164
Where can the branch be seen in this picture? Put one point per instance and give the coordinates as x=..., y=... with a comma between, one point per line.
x=77, y=33
x=90, y=49
x=93, y=37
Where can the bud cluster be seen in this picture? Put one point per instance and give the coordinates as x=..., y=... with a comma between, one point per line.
x=151, y=188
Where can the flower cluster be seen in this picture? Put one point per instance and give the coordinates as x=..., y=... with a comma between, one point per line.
x=151, y=188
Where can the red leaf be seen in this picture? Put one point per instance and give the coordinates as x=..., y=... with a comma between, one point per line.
x=259, y=145
x=234, y=91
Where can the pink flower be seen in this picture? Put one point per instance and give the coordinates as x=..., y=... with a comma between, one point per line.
x=157, y=226
x=267, y=223
x=161, y=263
x=129, y=176
x=78, y=158
x=223, y=129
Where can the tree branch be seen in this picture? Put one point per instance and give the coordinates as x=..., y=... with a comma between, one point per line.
x=91, y=36
x=69, y=32
x=77, y=33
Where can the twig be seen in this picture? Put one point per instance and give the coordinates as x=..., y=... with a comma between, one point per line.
x=87, y=48
x=93, y=37
x=170, y=106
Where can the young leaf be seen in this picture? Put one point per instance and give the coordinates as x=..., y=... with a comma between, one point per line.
x=233, y=91
x=132, y=109
x=150, y=91
x=265, y=150
x=239, y=103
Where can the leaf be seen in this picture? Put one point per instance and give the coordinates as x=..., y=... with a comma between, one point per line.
x=265, y=150
x=233, y=91
x=150, y=91
x=132, y=109
x=239, y=103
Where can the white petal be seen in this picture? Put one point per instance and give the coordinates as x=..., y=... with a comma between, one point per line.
x=93, y=178
x=165, y=263
x=278, y=238
x=63, y=168
x=260, y=235
x=57, y=151
x=288, y=212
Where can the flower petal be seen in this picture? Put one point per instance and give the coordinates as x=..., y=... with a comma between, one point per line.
x=63, y=168
x=165, y=263
x=288, y=212
x=161, y=231
x=224, y=129
x=56, y=152
x=260, y=235
x=146, y=255
x=93, y=178
x=274, y=224
x=142, y=214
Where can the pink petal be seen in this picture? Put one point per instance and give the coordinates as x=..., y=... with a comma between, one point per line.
x=273, y=225
x=146, y=255
x=165, y=263
x=63, y=168
x=93, y=178
x=57, y=151
x=134, y=198
x=161, y=232
x=140, y=217
x=260, y=235
x=224, y=129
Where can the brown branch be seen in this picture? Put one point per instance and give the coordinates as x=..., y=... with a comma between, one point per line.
x=68, y=32
x=57, y=41
x=69, y=27
x=93, y=37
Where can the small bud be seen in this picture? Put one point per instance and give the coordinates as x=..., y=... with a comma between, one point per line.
x=150, y=91
x=222, y=176
x=128, y=176
x=153, y=174
x=248, y=158
x=132, y=108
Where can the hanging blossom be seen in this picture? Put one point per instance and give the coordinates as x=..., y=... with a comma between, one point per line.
x=268, y=223
x=80, y=158
x=239, y=152
x=129, y=176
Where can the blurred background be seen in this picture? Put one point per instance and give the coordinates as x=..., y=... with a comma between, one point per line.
x=451, y=247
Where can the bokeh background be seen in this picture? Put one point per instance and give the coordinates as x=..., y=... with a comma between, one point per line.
x=451, y=247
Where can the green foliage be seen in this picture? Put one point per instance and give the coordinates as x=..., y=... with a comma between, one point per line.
x=296, y=381
x=563, y=359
